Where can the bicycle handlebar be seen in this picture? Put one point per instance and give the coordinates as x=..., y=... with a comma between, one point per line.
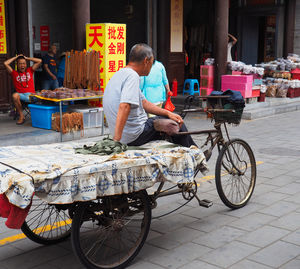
x=208, y=110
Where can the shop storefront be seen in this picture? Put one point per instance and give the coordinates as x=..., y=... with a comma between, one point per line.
x=183, y=33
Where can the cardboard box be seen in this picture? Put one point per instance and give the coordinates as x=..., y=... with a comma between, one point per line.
x=291, y=93
x=206, y=70
x=255, y=92
x=257, y=81
x=296, y=73
x=244, y=88
x=236, y=72
x=262, y=97
x=206, y=82
x=237, y=79
x=205, y=91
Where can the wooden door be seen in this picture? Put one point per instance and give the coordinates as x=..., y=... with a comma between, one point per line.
x=176, y=69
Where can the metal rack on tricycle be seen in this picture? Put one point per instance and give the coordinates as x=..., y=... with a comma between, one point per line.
x=109, y=231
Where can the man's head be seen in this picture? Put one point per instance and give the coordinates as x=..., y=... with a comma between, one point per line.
x=21, y=64
x=141, y=56
x=52, y=49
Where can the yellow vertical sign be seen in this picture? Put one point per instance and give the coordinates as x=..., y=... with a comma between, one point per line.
x=110, y=40
x=3, y=46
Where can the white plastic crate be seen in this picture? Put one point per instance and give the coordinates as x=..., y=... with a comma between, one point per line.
x=92, y=116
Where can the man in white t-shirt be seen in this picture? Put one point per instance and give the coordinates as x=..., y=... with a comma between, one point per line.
x=126, y=108
x=231, y=42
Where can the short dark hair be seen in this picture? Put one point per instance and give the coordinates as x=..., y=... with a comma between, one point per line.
x=20, y=58
x=139, y=52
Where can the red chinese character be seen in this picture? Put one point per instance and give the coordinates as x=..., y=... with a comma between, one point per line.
x=1, y=9
x=95, y=35
x=100, y=57
x=1, y=34
x=111, y=49
x=1, y=21
x=111, y=66
x=111, y=32
x=120, y=48
x=100, y=61
x=121, y=32
x=1, y=46
x=101, y=82
x=120, y=64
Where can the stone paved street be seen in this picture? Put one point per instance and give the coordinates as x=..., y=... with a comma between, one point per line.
x=264, y=234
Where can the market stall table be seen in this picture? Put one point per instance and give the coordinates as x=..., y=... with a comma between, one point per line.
x=60, y=101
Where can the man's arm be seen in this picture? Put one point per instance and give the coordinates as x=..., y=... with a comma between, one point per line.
x=153, y=109
x=8, y=62
x=49, y=72
x=37, y=62
x=122, y=116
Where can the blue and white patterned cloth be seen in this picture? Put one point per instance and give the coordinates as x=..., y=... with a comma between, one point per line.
x=62, y=177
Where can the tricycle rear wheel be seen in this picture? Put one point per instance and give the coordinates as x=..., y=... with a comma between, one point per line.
x=110, y=232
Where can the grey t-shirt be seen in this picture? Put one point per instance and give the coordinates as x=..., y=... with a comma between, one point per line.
x=123, y=87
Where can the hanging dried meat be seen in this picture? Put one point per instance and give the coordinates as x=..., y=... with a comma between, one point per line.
x=82, y=70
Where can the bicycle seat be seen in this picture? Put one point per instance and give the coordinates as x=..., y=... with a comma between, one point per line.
x=167, y=126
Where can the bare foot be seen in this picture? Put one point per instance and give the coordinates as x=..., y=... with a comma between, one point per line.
x=21, y=121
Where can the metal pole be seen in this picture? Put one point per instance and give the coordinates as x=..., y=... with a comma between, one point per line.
x=60, y=120
x=220, y=44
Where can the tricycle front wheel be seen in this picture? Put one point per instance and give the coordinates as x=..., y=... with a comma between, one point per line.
x=235, y=173
x=47, y=224
x=110, y=232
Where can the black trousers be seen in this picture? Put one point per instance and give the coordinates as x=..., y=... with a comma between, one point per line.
x=150, y=134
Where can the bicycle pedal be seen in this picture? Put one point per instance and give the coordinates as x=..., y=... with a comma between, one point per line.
x=205, y=203
x=207, y=153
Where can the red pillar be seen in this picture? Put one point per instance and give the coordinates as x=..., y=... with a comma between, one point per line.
x=22, y=36
x=289, y=27
x=220, y=43
x=80, y=16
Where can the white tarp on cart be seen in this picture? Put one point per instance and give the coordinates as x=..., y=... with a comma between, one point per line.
x=62, y=177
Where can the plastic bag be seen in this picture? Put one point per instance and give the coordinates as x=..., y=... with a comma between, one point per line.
x=169, y=105
x=271, y=91
x=281, y=92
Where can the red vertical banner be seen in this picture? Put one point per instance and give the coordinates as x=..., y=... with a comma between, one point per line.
x=45, y=37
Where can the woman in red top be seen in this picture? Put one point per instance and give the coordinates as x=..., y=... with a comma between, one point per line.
x=22, y=80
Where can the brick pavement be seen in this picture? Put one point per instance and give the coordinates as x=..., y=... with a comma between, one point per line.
x=264, y=234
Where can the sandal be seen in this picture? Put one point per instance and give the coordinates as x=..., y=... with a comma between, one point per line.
x=20, y=122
